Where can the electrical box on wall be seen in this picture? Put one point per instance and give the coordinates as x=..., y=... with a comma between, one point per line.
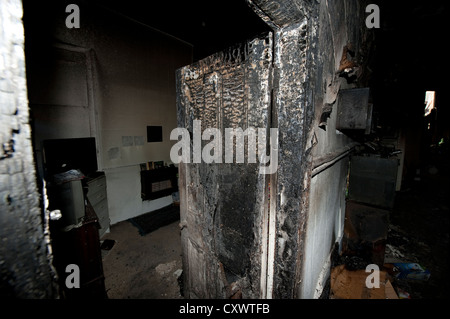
x=354, y=110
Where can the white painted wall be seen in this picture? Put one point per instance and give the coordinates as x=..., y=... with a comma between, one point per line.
x=133, y=81
x=340, y=25
x=325, y=226
x=124, y=194
x=325, y=222
x=137, y=89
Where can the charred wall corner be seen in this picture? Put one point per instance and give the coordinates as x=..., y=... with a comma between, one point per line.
x=320, y=47
x=314, y=49
x=295, y=26
x=25, y=267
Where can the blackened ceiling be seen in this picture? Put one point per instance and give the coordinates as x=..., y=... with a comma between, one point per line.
x=209, y=25
x=410, y=53
x=410, y=58
x=412, y=39
x=411, y=43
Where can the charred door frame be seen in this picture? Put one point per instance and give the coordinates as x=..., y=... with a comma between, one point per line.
x=292, y=112
x=224, y=207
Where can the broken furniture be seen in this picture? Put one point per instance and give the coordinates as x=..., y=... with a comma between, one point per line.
x=79, y=245
x=75, y=236
x=371, y=192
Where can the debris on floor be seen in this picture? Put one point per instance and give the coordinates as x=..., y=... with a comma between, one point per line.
x=178, y=273
x=351, y=284
x=107, y=244
x=143, y=267
x=412, y=271
x=399, y=276
x=167, y=268
x=403, y=294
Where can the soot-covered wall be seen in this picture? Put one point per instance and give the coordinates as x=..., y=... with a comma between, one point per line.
x=109, y=79
x=301, y=219
x=25, y=261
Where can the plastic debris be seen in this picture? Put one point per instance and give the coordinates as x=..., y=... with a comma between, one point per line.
x=411, y=271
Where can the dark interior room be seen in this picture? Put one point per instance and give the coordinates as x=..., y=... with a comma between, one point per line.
x=247, y=149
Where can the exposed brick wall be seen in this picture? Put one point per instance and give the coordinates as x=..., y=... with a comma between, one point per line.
x=25, y=270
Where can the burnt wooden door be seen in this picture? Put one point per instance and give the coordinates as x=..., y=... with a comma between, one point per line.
x=224, y=206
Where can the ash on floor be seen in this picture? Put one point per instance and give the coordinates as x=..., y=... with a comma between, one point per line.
x=418, y=232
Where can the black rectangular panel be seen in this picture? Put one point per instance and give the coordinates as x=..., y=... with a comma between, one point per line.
x=154, y=134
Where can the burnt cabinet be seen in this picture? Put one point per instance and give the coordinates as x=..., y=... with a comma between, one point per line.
x=372, y=181
x=371, y=197
x=80, y=245
x=96, y=193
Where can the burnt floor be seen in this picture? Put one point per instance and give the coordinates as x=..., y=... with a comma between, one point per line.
x=419, y=232
x=146, y=267
x=143, y=267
